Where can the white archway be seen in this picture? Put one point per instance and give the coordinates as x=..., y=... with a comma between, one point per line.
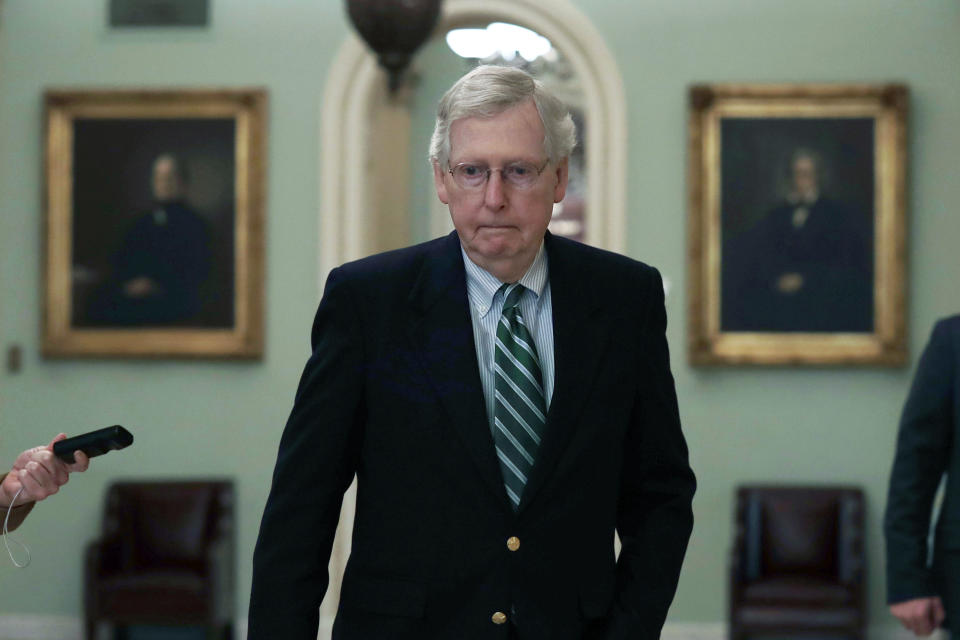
x=354, y=97
x=354, y=91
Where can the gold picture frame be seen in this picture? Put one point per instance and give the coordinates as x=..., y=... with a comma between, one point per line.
x=154, y=224
x=797, y=224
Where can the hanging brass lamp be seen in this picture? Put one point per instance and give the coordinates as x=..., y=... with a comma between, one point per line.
x=394, y=29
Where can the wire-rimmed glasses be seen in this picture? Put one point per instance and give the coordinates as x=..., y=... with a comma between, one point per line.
x=474, y=175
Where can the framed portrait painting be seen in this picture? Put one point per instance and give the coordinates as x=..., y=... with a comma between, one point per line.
x=154, y=223
x=797, y=227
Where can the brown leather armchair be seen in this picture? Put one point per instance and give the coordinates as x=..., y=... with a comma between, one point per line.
x=166, y=557
x=798, y=562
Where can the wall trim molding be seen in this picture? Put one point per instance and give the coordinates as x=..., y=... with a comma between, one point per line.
x=16, y=626
x=57, y=627
x=718, y=631
x=694, y=631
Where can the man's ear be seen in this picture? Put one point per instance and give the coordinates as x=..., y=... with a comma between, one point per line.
x=440, y=183
x=563, y=175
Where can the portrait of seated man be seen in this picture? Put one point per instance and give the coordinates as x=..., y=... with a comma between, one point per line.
x=805, y=265
x=162, y=262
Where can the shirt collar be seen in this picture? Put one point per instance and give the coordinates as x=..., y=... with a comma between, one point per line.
x=483, y=286
x=807, y=198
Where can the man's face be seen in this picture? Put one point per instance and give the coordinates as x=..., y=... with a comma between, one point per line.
x=804, y=175
x=166, y=179
x=498, y=223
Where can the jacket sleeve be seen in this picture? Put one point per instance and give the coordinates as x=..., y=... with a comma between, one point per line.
x=923, y=449
x=316, y=463
x=655, y=517
x=17, y=513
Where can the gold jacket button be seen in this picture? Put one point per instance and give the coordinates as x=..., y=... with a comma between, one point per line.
x=513, y=543
x=499, y=617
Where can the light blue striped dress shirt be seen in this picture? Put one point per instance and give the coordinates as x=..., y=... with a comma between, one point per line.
x=486, y=306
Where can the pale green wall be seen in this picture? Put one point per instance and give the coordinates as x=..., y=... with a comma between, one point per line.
x=198, y=418
x=805, y=425
x=818, y=425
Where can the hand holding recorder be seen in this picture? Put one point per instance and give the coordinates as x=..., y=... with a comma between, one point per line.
x=40, y=473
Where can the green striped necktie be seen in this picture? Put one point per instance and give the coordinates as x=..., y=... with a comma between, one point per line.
x=519, y=412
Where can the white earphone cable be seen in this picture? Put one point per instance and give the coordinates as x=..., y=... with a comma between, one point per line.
x=7, y=539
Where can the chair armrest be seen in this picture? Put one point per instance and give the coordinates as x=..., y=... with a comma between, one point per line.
x=851, y=562
x=737, y=569
x=91, y=573
x=104, y=556
x=220, y=569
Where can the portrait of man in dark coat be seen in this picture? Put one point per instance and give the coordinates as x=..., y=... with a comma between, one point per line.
x=805, y=263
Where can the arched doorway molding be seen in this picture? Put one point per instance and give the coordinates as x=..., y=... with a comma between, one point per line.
x=354, y=94
x=356, y=106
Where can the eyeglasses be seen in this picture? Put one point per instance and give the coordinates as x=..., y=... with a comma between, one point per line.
x=519, y=175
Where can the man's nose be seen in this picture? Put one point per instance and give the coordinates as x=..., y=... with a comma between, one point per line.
x=493, y=196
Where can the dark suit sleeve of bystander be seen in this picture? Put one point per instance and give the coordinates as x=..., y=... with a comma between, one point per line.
x=924, y=444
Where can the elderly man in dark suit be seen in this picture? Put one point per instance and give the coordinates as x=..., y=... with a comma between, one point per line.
x=924, y=595
x=504, y=398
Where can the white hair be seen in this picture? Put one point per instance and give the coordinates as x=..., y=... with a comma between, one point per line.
x=490, y=90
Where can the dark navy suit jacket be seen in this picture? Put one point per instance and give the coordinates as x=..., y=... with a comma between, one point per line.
x=392, y=393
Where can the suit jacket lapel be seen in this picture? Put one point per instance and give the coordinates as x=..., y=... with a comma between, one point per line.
x=578, y=339
x=440, y=327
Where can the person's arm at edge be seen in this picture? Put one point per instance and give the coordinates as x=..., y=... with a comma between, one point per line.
x=923, y=447
x=655, y=517
x=17, y=513
x=922, y=616
x=40, y=474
